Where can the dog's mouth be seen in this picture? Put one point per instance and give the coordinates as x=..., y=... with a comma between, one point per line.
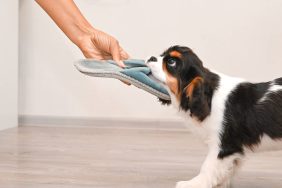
x=155, y=64
x=150, y=62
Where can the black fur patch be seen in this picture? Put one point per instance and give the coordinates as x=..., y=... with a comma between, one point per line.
x=200, y=104
x=278, y=81
x=247, y=118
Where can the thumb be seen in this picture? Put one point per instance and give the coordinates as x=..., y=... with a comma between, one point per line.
x=114, y=50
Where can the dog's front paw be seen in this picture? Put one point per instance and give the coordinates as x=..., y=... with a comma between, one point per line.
x=194, y=183
x=226, y=184
x=182, y=184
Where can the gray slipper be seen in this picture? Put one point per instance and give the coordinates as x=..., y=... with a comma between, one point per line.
x=135, y=73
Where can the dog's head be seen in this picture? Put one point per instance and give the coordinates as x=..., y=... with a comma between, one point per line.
x=190, y=83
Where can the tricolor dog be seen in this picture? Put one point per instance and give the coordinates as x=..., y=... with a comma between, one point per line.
x=231, y=114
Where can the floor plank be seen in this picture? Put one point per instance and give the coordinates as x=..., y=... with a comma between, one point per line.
x=73, y=157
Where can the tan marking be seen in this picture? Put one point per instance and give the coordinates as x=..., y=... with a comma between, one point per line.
x=175, y=54
x=190, y=88
x=171, y=82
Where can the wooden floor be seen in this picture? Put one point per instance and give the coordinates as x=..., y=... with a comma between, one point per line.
x=53, y=157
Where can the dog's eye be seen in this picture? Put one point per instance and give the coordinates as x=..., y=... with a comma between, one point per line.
x=171, y=62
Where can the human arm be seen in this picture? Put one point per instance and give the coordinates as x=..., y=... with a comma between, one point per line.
x=92, y=42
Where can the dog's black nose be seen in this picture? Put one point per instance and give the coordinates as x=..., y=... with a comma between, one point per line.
x=153, y=59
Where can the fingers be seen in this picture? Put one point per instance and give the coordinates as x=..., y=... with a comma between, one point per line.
x=124, y=55
x=105, y=47
x=114, y=50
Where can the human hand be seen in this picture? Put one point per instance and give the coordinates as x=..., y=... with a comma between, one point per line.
x=101, y=46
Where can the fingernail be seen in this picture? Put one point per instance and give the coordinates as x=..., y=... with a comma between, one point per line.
x=122, y=64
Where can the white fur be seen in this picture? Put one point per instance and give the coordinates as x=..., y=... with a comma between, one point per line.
x=157, y=70
x=273, y=88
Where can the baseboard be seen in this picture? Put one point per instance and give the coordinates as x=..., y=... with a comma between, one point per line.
x=51, y=121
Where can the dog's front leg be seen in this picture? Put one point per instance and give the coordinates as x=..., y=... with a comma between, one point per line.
x=215, y=172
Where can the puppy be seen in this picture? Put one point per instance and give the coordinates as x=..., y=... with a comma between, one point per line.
x=230, y=114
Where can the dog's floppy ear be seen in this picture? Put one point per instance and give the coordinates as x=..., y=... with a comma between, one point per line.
x=194, y=99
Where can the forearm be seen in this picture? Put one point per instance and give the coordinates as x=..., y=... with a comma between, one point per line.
x=92, y=42
x=68, y=18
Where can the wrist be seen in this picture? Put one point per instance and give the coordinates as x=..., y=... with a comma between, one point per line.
x=82, y=31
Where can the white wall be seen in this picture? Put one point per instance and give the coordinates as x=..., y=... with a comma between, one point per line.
x=240, y=38
x=8, y=63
